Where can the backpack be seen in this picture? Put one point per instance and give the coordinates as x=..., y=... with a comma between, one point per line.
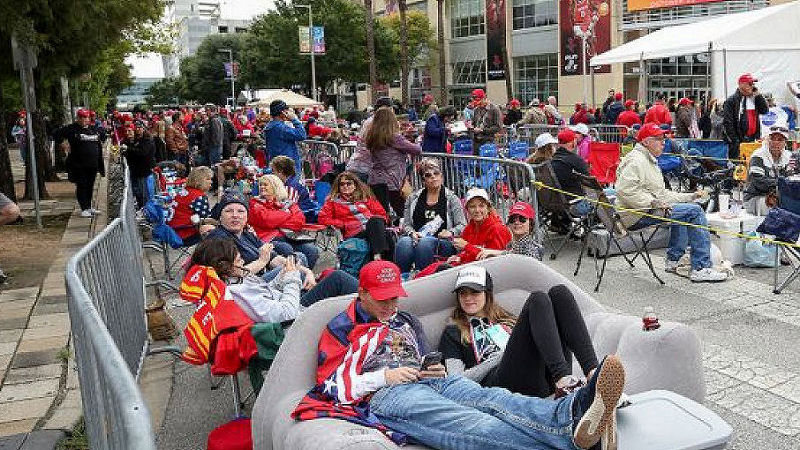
x=353, y=254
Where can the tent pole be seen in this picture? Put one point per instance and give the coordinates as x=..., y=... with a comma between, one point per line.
x=725, y=70
x=709, y=91
x=642, y=94
x=591, y=69
x=584, y=71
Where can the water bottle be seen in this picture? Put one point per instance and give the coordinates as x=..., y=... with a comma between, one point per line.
x=431, y=227
x=650, y=320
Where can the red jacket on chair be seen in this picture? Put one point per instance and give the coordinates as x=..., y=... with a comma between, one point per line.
x=337, y=213
x=491, y=233
x=267, y=218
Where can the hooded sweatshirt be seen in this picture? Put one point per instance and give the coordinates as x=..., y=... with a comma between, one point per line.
x=281, y=139
x=268, y=218
x=491, y=233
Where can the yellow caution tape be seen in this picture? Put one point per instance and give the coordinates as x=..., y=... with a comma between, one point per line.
x=666, y=219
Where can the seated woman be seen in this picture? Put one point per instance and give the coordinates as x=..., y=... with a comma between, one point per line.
x=433, y=216
x=279, y=300
x=191, y=205
x=485, y=229
x=353, y=209
x=523, y=240
x=531, y=354
x=272, y=215
x=283, y=167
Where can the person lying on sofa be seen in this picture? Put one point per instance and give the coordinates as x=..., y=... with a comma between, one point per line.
x=279, y=300
x=371, y=372
x=530, y=354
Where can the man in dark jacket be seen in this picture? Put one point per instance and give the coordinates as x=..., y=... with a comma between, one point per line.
x=565, y=163
x=514, y=114
x=606, y=103
x=614, y=109
x=213, y=137
x=85, y=159
x=434, y=138
x=229, y=133
x=487, y=119
x=740, y=114
x=140, y=155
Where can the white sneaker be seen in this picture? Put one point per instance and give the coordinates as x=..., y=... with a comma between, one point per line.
x=708, y=275
x=671, y=266
x=96, y=212
x=87, y=213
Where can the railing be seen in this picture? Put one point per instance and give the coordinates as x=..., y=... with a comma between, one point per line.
x=106, y=292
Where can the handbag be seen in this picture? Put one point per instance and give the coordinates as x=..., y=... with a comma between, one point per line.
x=781, y=223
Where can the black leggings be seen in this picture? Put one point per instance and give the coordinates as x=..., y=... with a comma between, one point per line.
x=539, y=352
x=84, y=186
x=380, y=240
x=389, y=198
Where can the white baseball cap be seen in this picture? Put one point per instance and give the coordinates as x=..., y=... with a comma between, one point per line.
x=475, y=278
x=544, y=139
x=581, y=128
x=477, y=192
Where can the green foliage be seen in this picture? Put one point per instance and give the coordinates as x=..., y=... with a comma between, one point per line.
x=166, y=91
x=203, y=75
x=421, y=39
x=108, y=77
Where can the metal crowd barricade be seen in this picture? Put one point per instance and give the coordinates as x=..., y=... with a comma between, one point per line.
x=609, y=133
x=529, y=133
x=507, y=181
x=319, y=157
x=106, y=294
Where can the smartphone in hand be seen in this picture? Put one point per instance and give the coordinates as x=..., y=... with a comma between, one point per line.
x=431, y=359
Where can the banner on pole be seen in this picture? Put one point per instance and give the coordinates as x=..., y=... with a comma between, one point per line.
x=579, y=20
x=318, y=40
x=496, y=39
x=305, y=39
x=231, y=70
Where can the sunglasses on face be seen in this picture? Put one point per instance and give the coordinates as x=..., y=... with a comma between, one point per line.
x=519, y=219
x=431, y=174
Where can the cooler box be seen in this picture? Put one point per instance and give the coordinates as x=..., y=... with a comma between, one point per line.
x=732, y=248
x=663, y=420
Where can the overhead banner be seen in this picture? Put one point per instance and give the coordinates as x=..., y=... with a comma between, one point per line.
x=640, y=5
x=496, y=39
x=305, y=39
x=581, y=20
x=318, y=40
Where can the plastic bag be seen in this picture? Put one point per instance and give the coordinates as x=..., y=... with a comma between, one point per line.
x=758, y=253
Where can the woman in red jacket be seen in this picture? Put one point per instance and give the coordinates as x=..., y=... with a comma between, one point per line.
x=485, y=230
x=190, y=206
x=272, y=215
x=353, y=209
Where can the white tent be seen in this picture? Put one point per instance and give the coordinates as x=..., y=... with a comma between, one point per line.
x=266, y=96
x=764, y=42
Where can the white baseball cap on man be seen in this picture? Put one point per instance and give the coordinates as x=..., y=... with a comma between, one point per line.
x=544, y=139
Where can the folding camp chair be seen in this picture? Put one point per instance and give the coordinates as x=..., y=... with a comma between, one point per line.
x=603, y=161
x=554, y=208
x=788, y=199
x=518, y=150
x=615, y=230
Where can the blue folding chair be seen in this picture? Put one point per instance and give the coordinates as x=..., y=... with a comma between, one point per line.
x=788, y=200
x=518, y=150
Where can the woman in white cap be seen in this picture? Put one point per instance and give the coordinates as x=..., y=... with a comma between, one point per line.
x=484, y=230
x=546, y=145
x=583, y=140
x=530, y=354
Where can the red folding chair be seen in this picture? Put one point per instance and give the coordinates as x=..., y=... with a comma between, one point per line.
x=603, y=161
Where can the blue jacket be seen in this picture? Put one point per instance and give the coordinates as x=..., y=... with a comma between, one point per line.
x=281, y=139
x=434, y=139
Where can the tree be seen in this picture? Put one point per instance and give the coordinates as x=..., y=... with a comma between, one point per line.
x=419, y=37
x=370, y=25
x=440, y=39
x=166, y=91
x=203, y=75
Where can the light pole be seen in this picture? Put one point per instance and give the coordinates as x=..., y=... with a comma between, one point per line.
x=233, y=85
x=311, y=41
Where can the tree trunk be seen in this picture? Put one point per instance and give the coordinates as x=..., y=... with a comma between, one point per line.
x=6, y=177
x=509, y=87
x=442, y=68
x=373, y=71
x=404, y=66
x=42, y=159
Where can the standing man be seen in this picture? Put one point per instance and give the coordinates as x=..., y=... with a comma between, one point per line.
x=229, y=133
x=614, y=109
x=608, y=101
x=85, y=158
x=740, y=114
x=176, y=141
x=280, y=137
x=629, y=117
x=514, y=114
x=213, y=137
x=658, y=113
x=486, y=121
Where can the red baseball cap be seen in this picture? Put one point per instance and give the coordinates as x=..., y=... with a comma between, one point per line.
x=747, y=78
x=649, y=129
x=523, y=209
x=629, y=103
x=382, y=280
x=566, y=135
x=82, y=113
x=478, y=94
x=514, y=102
x=685, y=101
x=618, y=96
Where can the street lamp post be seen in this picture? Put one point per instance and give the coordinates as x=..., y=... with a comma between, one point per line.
x=311, y=40
x=233, y=85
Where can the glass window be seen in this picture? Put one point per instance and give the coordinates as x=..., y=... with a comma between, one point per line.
x=536, y=76
x=466, y=18
x=533, y=13
x=469, y=72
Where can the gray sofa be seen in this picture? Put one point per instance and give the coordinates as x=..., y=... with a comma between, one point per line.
x=668, y=358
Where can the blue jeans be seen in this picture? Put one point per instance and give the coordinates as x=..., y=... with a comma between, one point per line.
x=284, y=248
x=457, y=413
x=307, y=248
x=681, y=235
x=581, y=208
x=335, y=284
x=214, y=155
x=421, y=253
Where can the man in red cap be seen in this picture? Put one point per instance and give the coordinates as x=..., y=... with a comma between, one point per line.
x=486, y=119
x=514, y=114
x=614, y=109
x=640, y=185
x=685, y=118
x=374, y=369
x=629, y=117
x=658, y=113
x=740, y=114
x=580, y=115
x=85, y=158
x=565, y=163
x=429, y=107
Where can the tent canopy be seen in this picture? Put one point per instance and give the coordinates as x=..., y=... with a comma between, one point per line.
x=775, y=27
x=293, y=99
